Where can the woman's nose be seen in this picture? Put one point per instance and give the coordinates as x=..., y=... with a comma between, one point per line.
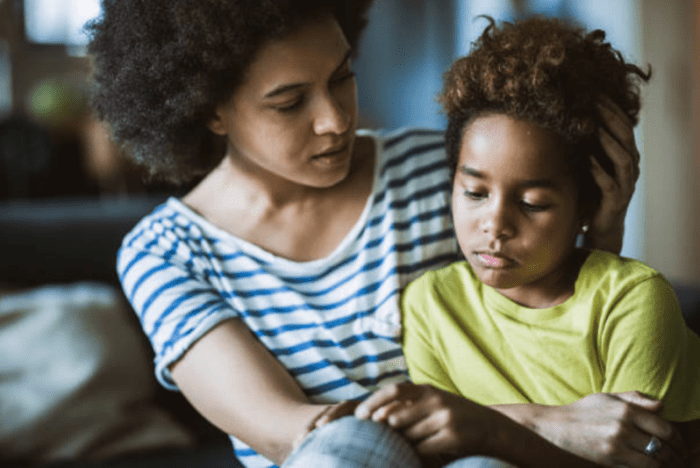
x=331, y=116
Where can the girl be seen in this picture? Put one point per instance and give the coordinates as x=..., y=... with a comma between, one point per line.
x=528, y=317
x=270, y=290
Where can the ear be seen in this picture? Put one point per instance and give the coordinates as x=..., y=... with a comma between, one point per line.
x=217, y=124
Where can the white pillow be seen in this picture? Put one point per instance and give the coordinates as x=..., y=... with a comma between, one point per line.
x=76, y=379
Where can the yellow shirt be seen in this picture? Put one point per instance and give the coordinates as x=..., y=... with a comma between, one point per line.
x=621, y=330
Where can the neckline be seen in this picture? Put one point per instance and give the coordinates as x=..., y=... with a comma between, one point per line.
x=505, y=306
x=268, y=257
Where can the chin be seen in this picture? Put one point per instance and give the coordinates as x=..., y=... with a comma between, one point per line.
x=497, y=280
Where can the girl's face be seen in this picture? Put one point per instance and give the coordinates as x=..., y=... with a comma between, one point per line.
x=294, y=115
x=515, y=209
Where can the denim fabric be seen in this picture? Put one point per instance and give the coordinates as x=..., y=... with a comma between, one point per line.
x=354, y=443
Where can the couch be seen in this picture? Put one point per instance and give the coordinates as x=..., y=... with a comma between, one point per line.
x=65, y=248
x=58, y=280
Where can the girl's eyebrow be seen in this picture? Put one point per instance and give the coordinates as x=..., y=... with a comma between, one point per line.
x=528, y=183
x=292, y=86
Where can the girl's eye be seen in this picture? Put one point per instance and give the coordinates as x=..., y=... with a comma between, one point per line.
x=474, y=195
x=534, y=208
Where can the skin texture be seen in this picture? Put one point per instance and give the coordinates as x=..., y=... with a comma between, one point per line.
x=273, y=192
x=515, y=211
x=514, y=205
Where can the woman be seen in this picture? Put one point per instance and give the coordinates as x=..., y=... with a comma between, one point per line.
x=270, y=291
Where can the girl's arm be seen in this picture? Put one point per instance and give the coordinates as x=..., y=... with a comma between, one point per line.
x=231, y=379
x=449, y=426
x=617, y=138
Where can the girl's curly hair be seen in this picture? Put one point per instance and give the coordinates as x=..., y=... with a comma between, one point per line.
x=160, y=68
x=550, y=73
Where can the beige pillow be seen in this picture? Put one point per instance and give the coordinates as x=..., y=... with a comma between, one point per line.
x=76, y=379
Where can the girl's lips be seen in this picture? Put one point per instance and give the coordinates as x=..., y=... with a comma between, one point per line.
x=494, y=260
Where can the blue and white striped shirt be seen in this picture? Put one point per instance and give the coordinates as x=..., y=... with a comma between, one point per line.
x=334, y=322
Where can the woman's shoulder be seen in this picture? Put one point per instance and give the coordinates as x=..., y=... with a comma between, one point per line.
x=404, y=146
x=167, y=225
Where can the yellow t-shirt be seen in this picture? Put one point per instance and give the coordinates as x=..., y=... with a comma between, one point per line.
x=621, y=330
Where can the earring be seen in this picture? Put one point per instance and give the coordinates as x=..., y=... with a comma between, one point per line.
x=584, y=228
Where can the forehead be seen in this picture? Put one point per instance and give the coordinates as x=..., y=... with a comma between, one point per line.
x=314, y=48
x=503, y=144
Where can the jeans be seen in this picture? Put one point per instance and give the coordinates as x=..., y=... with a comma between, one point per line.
x=355, y=443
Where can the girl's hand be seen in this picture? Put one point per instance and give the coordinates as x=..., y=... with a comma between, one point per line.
x=435, y=421
x=613, y=430
x=617, y=139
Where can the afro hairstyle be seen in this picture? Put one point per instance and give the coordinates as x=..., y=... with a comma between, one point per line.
x=550, y=73
x=161, y=67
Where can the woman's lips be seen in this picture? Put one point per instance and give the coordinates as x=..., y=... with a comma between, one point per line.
x=334, y=156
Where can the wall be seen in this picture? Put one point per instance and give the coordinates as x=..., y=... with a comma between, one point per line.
x=670, y=163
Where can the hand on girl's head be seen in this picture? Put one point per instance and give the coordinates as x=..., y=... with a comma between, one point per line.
x=618, y=142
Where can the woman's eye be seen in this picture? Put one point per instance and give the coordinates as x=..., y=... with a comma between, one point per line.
x=345, y=77
x=288, y=107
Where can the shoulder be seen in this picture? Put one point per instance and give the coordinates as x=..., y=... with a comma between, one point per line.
x=169, y=232
x=605, y=271
x=404, y=148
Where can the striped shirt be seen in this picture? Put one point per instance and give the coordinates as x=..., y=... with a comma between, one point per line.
x=334, y=322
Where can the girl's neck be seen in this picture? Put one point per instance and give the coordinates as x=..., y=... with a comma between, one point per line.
x=553, y=290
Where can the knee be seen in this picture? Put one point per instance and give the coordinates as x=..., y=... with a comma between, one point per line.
x=479, y=462
x=350, y=442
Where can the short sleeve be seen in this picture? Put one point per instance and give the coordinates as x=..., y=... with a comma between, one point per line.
x=424, y=366
x=646, y=346
x=174, y=305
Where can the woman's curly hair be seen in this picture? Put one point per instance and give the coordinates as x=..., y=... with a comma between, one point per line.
x=161, y=67
x=550, y=73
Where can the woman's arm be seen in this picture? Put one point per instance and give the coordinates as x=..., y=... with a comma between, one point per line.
x=231, y=379
x=610, y=429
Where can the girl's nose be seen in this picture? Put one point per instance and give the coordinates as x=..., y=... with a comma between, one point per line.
x=498, y=220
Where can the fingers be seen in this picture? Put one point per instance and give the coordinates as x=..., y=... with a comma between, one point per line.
x=653, y=425
x=333, y=412
x=639, y=399
x=619, y=125
x=666, y=457
x=384, y=397
x=626, y=164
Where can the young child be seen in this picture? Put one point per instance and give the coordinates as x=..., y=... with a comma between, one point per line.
x=528, y=317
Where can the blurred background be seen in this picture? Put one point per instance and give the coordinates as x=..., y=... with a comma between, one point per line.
x=50, y=145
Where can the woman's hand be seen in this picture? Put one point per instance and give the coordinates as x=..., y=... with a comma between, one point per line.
x=328, y=414
x=617, y=139
x=608, y=429
x=435, y=421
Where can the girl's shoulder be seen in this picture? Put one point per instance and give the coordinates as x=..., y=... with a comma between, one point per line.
x=617, y=275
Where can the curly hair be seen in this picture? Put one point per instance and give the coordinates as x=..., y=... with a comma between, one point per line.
x=550, y=73
x=161, y=67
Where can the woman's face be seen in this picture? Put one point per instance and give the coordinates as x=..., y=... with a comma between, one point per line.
x=514, y=205
x=295, y=114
